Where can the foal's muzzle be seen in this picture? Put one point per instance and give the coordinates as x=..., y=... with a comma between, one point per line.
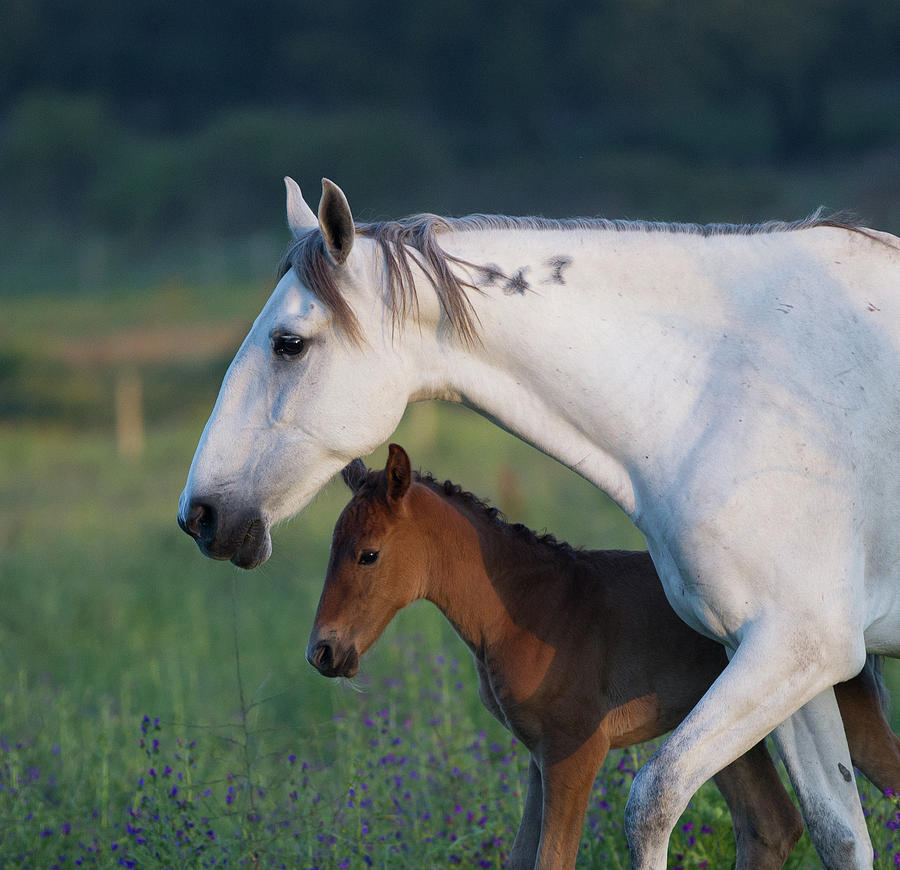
x=330, y=659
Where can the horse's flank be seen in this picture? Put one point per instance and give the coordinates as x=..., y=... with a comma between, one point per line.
x=413, y=242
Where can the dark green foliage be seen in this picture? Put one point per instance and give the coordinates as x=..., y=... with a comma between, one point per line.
x=145, y=122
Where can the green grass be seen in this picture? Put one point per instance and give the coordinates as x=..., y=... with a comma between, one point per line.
x=110, y=615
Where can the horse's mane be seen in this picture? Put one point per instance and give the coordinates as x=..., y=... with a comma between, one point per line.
x=403, y=243
x=413, y=241
x=495, y=517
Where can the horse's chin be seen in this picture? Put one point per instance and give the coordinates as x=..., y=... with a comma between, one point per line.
x=255, y=548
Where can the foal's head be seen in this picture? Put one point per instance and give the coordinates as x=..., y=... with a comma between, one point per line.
x=377, y=566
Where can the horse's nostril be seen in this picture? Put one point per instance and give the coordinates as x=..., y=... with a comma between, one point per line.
x=199, y=522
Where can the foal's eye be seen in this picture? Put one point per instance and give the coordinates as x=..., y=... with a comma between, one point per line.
x=368, y=557
x=287, y=345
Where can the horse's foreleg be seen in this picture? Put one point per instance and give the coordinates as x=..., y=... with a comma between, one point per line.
x=567, y=786
x=874, y=748
x=525, y=847
x=766, y=823
x=815, y=752
x=756, y=692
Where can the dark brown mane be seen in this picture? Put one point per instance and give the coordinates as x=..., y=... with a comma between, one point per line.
x=494, y=516
x=413, y=242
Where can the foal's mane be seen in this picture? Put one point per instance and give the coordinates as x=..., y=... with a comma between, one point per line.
x=494, y=517
x=413, y=241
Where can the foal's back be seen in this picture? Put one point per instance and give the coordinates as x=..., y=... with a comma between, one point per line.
x=614, y=642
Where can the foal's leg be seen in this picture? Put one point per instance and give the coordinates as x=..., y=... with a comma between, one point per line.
x=874, y=748
x=524, y=850
x=758, y=690
x=766, y=823
x=567, y=786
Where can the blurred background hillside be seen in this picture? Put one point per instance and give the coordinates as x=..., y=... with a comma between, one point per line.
x=142, y=146
x=142, y=150
x=145, y=140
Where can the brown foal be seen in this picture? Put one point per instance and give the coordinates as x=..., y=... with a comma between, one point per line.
x=578, y=652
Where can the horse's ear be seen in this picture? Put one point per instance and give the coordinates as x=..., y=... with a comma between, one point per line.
x=355, y=474
x=335, y=222
x=300, y=216
x=397, y=473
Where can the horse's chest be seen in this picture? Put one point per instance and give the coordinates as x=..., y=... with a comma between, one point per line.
x=499, y=698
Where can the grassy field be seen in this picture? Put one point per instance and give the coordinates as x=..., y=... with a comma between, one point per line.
x=156, y=709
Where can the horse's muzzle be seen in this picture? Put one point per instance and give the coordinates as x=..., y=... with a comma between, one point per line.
x=330, y=660
x=243, y=536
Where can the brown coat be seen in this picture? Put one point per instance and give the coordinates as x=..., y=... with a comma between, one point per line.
x=578, y=652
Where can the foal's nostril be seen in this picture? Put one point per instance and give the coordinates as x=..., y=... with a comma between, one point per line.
x=199, y=521
x=323, y=657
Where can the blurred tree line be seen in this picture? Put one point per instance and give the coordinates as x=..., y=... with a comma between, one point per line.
x=142, y=144
x=146, y=119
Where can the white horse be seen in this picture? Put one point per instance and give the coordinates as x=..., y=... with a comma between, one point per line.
x=735, y=389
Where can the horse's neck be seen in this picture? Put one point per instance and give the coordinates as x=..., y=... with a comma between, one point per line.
x=584, y=333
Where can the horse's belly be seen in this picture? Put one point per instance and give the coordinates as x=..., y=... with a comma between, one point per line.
x=882, y=574
x=882, y=637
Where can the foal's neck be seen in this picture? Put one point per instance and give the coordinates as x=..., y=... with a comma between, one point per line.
x=488, y=578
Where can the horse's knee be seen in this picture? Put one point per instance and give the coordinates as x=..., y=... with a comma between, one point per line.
x=651, y=810
x=838, y=845
x=841, y=849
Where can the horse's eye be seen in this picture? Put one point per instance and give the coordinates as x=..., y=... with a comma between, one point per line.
x=287, y=345
x=368, y=557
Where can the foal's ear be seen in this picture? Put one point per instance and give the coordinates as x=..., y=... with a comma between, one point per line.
x=300, y=216
x=335, y=222
x=397, y=473
x=355, y=474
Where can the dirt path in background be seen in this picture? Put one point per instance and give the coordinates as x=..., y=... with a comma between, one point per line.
x=153, y=345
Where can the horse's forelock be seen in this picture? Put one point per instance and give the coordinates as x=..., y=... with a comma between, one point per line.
x=308, y=257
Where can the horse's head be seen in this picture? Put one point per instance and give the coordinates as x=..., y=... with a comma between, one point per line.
x=318, y=380
x=376, y=567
